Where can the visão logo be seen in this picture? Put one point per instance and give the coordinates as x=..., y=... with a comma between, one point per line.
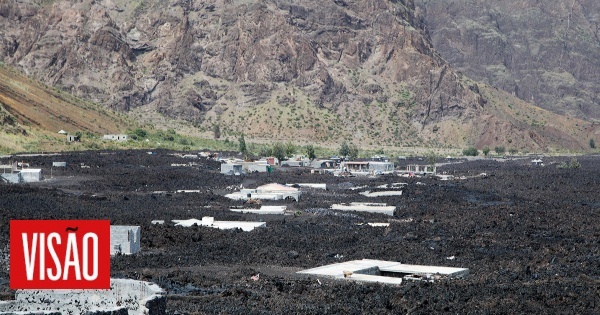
x=60, y=254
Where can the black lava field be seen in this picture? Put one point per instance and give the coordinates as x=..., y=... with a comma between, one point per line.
x=530, y=235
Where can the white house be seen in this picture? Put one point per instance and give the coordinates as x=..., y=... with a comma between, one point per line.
x=120, y=137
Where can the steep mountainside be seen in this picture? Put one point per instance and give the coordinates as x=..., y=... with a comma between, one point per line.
x=544, y=52
x=31, y=111
x=299, y=70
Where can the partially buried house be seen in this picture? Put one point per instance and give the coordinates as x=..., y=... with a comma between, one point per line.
x=124, y=239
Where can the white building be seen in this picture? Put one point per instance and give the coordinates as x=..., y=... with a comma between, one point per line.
x=119, y=137
x=232, y=169
x=381, y=167
x=124, y=239
x=30, y=175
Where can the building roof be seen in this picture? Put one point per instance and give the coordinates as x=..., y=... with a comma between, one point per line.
x=275, y=187
x=31, y=170
x=356, y=163
x=361, y=270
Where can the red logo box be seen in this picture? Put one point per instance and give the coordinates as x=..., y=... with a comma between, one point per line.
x=60, y=254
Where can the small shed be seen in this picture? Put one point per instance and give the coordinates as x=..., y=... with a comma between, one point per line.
x=30, y=175
x=124, y=239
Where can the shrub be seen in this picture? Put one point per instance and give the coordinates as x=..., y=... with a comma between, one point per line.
x=500, y=150
x=486, y=151
x=573, y=163
x=216, y=131
x=140, y=133
x=310, y=152
x=242, y=144
x=471, y=151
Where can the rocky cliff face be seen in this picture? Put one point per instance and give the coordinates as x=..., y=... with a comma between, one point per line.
x=544, y=52
x=188, y=57
x=310, y=70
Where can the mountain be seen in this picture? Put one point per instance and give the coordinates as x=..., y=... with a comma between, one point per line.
x=312, y=71
x=31, y=112
x=544, y=52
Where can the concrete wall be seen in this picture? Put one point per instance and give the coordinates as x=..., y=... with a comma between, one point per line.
x=124, y=297
x=234, y=168
x=14, y=178
x=124, y=239
x=120, y=137
x=31, y=175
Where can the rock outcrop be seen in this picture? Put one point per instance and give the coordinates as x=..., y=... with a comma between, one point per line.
x=544, y=52
x=308, y=70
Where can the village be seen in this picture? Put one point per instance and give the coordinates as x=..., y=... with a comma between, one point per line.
x=206, y=231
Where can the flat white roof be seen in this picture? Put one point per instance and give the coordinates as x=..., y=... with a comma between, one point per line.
x=31, y=170
x=374, y=208
x=274, y=187
x=382, y=193
x=310, y=185
x=363, y=270
x=263, y=210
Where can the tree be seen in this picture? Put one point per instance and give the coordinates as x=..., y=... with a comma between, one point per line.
x=290, y=149
x=310, y=152
x=242, y=145
x=344, y=149
x=353, y=152
x=278, y=151
x=265, y=151
x=592, y=144
x=486, y=151
x=500, y=150
x=471, y=151
x=431, y=158
x=216, y=131
x=513, y=151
